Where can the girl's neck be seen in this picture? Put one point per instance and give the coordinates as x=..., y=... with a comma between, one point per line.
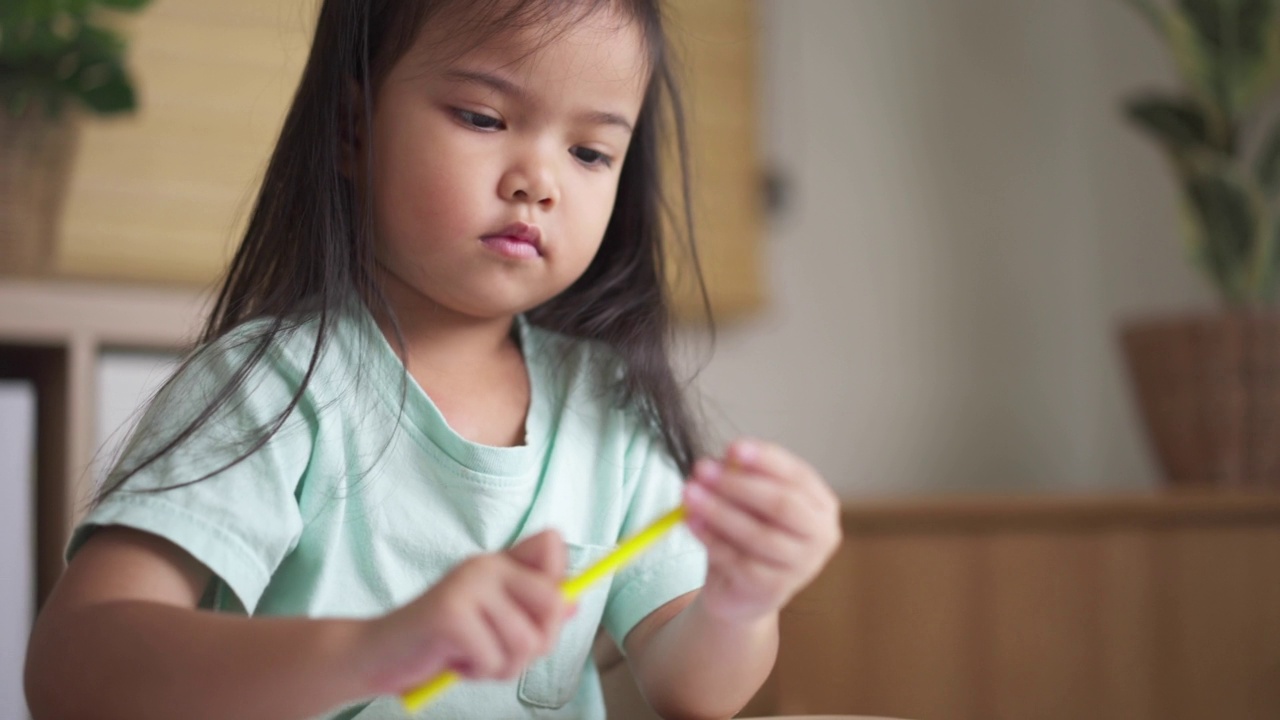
x=436, y=336
x=471, y=368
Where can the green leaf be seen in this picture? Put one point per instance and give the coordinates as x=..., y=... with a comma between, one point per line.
x=49, y=53
x=128, y=5
x=1206, y=25
x=1267, y=164
x=30, y=10
x=1260, y=277
x=17, y=10
x=1189, y=57
x=1236, y=38
x=1267, y=293
x=1229, y=27
x=105, y=88
x=98, y=44
x=1256, y=81
x=1226, y=227
x=35, y=42
x=1177, y=123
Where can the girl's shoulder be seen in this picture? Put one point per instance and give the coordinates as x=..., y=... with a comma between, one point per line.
x=282, y=342
x=281, y=352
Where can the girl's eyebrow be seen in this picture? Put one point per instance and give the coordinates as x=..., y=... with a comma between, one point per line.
x=494, y=82
x=600, y=117
x=506, y=87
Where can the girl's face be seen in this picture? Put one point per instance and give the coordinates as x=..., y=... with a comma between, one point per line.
x=496, y=168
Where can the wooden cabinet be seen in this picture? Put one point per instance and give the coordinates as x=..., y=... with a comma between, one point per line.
x=1164, y=607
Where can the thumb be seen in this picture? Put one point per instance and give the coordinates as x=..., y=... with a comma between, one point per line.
x=543, y=552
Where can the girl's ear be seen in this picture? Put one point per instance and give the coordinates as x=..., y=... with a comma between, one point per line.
x=352, y=131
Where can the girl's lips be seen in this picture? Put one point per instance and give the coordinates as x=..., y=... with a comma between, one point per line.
x=512, y=247
x=517, y=240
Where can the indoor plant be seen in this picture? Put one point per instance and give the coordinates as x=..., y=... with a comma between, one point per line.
x=55, y=57
x=1209, y=385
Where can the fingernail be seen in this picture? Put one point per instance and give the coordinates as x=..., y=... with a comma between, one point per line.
x=695, y=495
x=707, y=470
x=746, y=451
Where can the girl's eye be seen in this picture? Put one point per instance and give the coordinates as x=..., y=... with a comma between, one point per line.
x=587, y=156
x=479, y=121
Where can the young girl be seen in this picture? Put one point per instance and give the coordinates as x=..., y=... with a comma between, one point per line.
x=435, y=384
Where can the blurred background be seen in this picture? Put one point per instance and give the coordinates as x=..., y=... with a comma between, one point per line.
x=928, y=224
x=966, y=220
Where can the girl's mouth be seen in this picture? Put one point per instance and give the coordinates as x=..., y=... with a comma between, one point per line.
x=517, y=240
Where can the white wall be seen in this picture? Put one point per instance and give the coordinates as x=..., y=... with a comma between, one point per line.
x=126, y=381
x=17, y=538
x=970, y=219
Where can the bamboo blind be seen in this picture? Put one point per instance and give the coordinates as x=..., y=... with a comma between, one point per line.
x=163, y=195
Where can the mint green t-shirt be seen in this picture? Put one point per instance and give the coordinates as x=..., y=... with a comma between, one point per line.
x=366, y=497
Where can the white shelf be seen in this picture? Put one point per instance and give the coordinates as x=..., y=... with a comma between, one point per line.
x=52, y=332
x=60, y=311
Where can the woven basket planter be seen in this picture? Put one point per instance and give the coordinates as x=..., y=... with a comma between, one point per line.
x=1209, y=391
x=36, y=156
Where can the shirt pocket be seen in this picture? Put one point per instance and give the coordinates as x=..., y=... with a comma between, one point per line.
x=552, y=681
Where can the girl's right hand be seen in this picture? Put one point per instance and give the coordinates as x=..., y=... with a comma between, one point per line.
x=486, y=619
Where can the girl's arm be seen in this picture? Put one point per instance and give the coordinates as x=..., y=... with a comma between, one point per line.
x=689, y=664
x=769, y=523
x=120, y=637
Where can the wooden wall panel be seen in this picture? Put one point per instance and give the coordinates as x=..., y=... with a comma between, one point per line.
x=1218, y=651
x=1126, y=625
x=1154, y=608
x=922, y=589
x=1039, y=621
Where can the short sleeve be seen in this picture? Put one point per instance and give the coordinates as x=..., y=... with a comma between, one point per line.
x=242, y=521
x=674, y=566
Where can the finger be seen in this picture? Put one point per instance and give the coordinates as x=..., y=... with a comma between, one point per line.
x=515, y=632
x=732, y=563
x=720, y=554
x=768, y=459
x=542, y=601
x=772, y=502
x=777, y=462
x=748, y=534
x=480, y=654
x=544, y=552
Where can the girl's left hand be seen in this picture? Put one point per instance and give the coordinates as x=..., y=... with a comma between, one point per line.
x=769, y=523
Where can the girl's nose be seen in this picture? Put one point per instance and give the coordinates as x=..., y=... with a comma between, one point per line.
x=530, y=183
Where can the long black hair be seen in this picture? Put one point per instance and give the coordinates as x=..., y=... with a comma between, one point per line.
x=308, y=247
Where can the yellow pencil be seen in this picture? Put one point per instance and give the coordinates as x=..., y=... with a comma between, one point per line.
x=571, y=588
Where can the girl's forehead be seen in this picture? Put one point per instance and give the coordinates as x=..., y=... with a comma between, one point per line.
x=519, y=34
